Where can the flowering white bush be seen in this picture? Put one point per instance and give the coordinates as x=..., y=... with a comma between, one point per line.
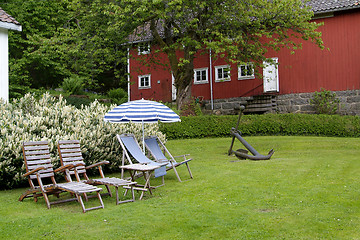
x=50, y=119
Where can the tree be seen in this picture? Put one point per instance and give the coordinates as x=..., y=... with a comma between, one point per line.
x=238, y=30
x=39, y=20
x=66, y=38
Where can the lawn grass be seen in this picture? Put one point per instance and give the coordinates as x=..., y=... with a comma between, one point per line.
x=308, y=190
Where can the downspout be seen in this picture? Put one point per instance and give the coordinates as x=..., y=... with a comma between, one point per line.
x=128, y=71
x=211, y=84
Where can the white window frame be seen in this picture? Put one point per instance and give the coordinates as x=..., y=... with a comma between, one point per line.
x=206, y=75
x=222, y=79
x=246, y=65
x=144, y=48
x=140, y=79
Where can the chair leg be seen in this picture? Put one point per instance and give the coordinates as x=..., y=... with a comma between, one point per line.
x=126, y=190
x=125, y=201
x=43, y=191
x=109, y=191
x=177, y=174
x=93, y=208
x=81, y=202
x=117, y=194
x=100, y=199
x=187, y=165
x=132, y=193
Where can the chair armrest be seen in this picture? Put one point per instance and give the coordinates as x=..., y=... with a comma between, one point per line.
x=63, y=168
x=97, y=164
x=78, y=165
x=163, y=160
x=144, y=163
x=33, y=171
x=182, y=156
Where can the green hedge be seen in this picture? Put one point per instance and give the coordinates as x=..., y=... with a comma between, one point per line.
x=268, y=124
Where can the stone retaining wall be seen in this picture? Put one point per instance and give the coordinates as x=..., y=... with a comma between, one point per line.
x=289, y=103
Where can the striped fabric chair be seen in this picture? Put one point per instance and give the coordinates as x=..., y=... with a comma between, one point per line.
x=153, y=144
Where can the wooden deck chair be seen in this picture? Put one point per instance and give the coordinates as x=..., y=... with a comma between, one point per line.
x=153, y=144
x=39, y=169
x=70, y=154
x=131, y=147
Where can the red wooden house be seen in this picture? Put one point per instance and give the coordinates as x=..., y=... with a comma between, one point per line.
x=308, y=70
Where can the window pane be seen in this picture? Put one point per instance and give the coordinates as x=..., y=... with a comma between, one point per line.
x=220, y=73
x=203, y=73
x=198, y=76
x=226, y=73
x=243, y=72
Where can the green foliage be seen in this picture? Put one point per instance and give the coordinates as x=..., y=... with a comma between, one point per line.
x=17, y=91
x=269, y=124
x=117, y=95
x=73, y=85
x=78, y=102
x=51, y=119
x=325, y=102
x=65, y=38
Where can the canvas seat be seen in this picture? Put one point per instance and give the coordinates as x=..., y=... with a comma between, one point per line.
x=70, y=154
x=153, y=144
x=39, y=169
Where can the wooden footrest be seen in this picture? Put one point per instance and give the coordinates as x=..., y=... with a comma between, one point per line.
x=78, y=187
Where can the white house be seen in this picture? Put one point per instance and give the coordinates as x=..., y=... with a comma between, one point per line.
x=6, y=23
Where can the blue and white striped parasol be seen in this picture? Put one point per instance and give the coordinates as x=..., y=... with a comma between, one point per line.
x=141, y=111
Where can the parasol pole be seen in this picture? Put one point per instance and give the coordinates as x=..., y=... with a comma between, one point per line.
x=143, y=135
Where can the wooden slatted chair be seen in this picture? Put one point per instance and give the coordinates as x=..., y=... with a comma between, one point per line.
x=70, y=154
x=39, y=169
x=153, y=144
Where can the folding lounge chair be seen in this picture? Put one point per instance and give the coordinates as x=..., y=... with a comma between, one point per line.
x=38, y=168
x=70, y=154
x=130, y=145
x=152, y=144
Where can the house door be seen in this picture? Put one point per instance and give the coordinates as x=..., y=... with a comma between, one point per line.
x=173, y=88
x=271, y=76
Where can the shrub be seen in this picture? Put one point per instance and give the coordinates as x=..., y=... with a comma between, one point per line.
x=268, y=124
x=325, y=102
x=73, y=85
x=51, y=119
x=118, y=95
x=78, y=102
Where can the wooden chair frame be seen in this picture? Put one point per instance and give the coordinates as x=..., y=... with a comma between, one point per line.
x=38, y=167
x=70, y=154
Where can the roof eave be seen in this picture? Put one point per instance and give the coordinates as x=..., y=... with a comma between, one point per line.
x=11, y=26
x=337, y=9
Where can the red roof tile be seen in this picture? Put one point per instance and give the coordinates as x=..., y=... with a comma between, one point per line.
x=4, y=17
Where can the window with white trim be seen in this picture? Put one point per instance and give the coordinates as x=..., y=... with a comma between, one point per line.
x=201, y=76
x=246, y=71
x=144, y=48
x=222, y=73
x=145, y=81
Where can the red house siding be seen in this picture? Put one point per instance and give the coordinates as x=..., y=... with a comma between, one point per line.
x=336, y=69
x=308, y=70
x=161, y=79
